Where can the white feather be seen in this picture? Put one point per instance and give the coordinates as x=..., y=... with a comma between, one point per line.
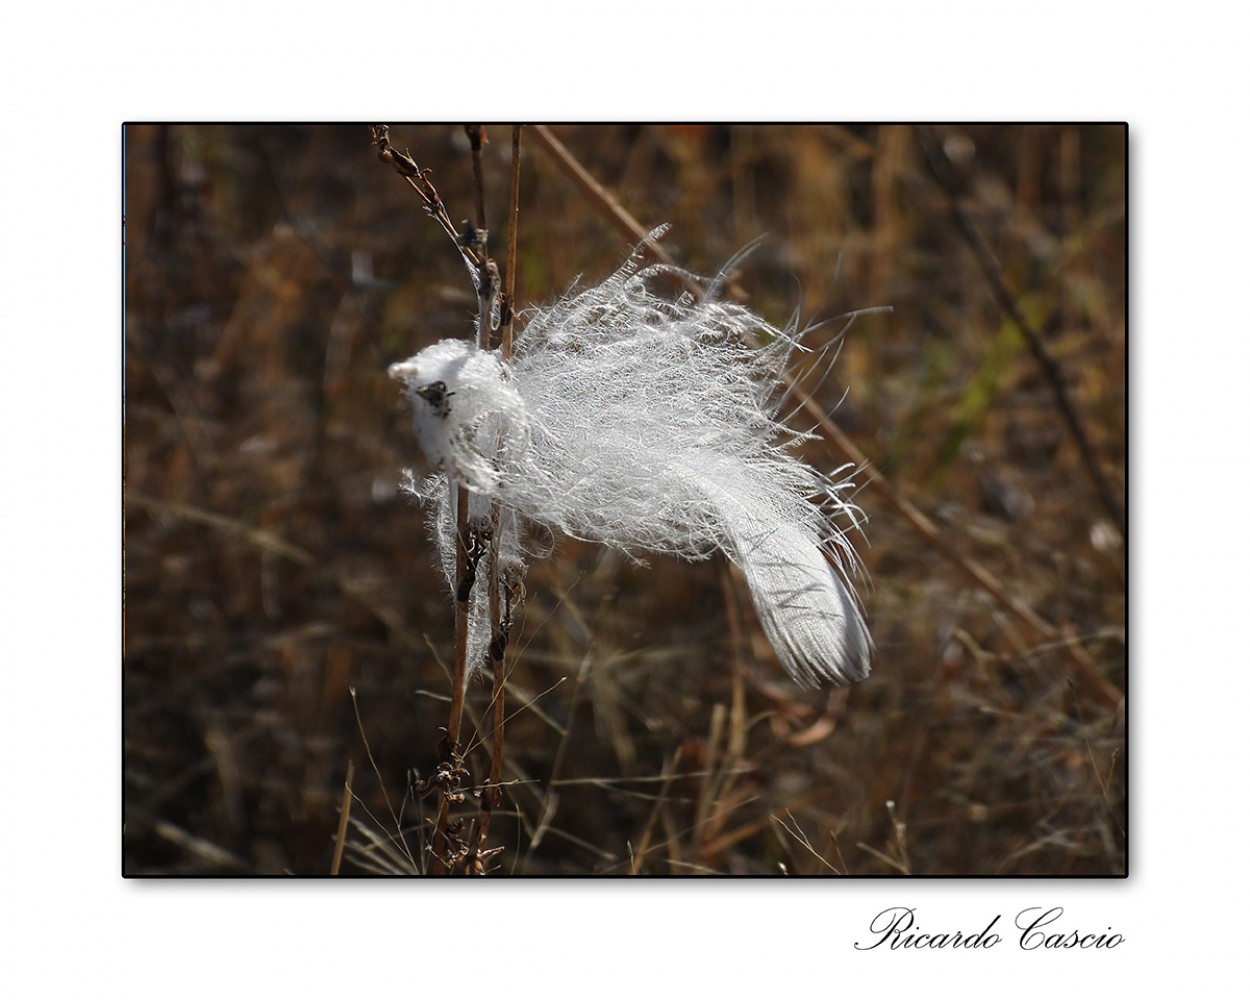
x=649, y=423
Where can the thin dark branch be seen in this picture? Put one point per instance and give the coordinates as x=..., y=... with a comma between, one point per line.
x=509, y=285
x=472, y=247
x=477, y=135
x=621, y=219
x=501, y=618
x=419, y=180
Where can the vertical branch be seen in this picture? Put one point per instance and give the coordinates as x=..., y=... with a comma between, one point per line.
x=472, y=247
x=450, y=760
x=476, y=134
x=501, y=616
x=467, y=551
x=345, y=810
x=514, y=202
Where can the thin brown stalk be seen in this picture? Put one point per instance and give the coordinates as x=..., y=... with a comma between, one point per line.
x=450, y=758
x=492, y=797
x=802, y=838
x=419, y=181
x=500, y=619
x=625, y=223
x=670, y=771
x=450, y=770
x=550, y=800
x=596, y=192
x=514, y=207
x=345, y=810
x=460, y=669
x=477, y=135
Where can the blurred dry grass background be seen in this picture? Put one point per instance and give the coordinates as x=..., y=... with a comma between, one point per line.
x=271, y=567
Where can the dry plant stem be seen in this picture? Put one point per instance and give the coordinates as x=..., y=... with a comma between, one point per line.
x=514, y=202
x=625, y=223
x=477, y=135
x=420, y=182
x=715, y=848
x=345, y=810
x=199, y=848
x=492, y=795
x=596, y=192
x=1006, y=302
x=670, y=771
x=460, y=669
x=450, y=750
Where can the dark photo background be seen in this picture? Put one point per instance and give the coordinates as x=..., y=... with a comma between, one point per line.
x=272, y=568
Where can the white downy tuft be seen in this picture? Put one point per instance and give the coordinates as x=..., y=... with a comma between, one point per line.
x=648, y=423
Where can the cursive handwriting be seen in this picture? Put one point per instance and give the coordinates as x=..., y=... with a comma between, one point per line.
x=1032, y=920
x=896, y=928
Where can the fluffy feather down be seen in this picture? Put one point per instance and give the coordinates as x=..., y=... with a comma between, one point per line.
x=650, y=424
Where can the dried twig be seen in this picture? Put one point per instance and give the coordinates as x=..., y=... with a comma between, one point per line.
x=419, y=181
x=345, y=810
x=502, y=597
x=644, y=845
x=599, y=196
x=477, y=135
x=472, y=246
x=514, y=204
